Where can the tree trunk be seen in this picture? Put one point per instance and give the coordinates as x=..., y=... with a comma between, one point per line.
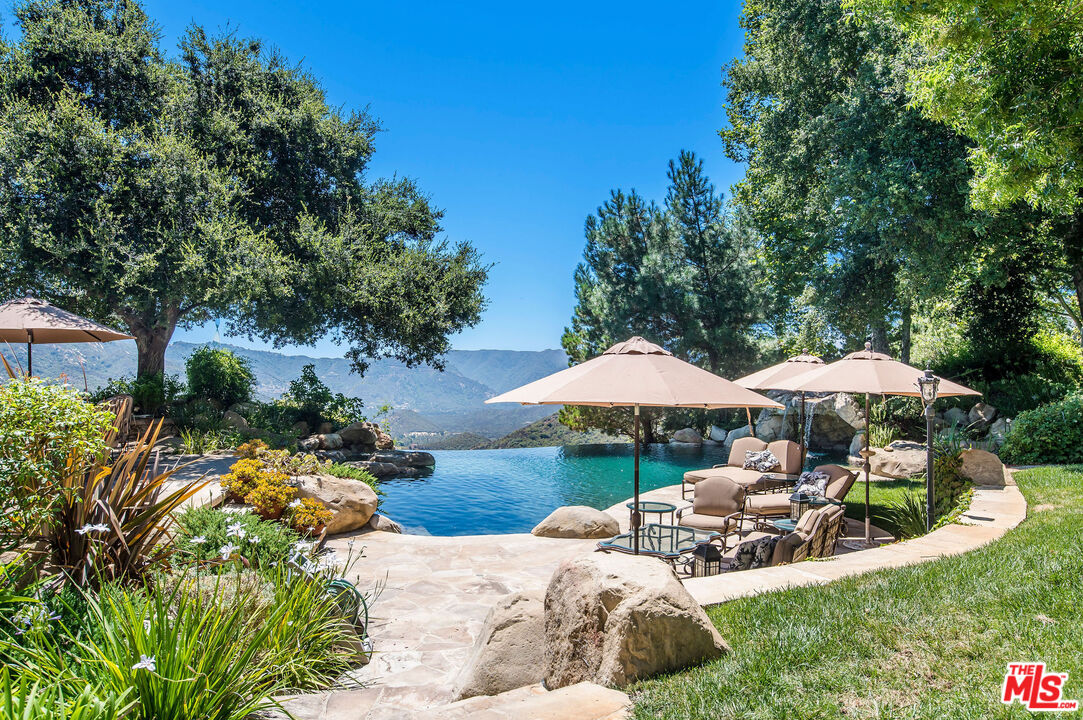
x=152, y=337
x=1073, y=252
x=904, y=332
x=878, y=337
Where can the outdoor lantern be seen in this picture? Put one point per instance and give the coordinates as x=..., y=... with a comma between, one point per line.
x=928, y=383
x=799, y=503
x=706, y=560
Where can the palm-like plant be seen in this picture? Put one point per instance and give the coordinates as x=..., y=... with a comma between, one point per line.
x=113, y=521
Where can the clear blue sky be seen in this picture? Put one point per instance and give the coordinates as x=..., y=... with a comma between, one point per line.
x=516, y=119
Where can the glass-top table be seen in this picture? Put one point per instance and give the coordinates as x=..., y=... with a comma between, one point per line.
x=668, y=542
x=653, y=507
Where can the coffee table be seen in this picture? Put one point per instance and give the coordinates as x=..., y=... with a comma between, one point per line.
x=672, y=543
x=653, y=507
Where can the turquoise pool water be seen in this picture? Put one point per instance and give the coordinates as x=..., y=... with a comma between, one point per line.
x=485, y=492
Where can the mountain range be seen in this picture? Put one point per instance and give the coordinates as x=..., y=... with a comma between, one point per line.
x=422, y=399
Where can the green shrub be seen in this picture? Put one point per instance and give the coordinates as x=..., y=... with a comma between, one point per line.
x=349, y=472
x=151, y=394
x=219, y=374
x=908, y=515
x=43, y=427
x=1050, y=434
x=204, y=531
x=314, y=403
x=197, y=442
x=26, y=699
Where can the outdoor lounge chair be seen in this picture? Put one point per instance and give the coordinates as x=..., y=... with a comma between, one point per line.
x=787, y=451
x=716, y=505
x=815, y=536
x=777, y=503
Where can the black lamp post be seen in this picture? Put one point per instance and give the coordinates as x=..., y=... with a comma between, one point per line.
x=928, y=384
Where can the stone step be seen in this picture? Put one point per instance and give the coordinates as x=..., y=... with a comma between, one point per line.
x=584, y=701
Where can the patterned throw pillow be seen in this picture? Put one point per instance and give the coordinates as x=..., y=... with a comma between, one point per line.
x=752, y=554
x=812, y=483
x=762, y=460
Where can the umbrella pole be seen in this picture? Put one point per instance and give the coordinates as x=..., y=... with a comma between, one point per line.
x=868, y=469
x=801, y=431
x=29, y=353
x=751, y=430
x=635, y=506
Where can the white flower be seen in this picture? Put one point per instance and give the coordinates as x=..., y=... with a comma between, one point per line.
x=98, y=527
x=146, y=626
x=145, y=663
x=254, y=539
x=302, y=546
x=236, y=530
x=198, y=540
x=227, y=550
x=295, y=503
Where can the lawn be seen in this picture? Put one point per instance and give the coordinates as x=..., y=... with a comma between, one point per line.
x=930, y=641
x=882, y=494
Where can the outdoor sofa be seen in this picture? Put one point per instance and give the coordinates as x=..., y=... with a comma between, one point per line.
x=787, y=451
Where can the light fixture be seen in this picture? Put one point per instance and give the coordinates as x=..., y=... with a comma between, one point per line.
x=927, y=385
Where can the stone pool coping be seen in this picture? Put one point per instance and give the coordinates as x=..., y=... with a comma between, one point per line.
x=439, y=590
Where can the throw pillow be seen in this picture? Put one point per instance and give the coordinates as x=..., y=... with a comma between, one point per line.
x=812, y=483
x=762, y=460
x=746, y=552
x=765, y=550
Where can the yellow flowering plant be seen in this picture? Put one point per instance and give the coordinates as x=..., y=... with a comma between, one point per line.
x=308, y=515
x=270, y=495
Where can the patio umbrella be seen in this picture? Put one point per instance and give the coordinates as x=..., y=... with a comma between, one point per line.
x=769, y=378
x=636, y=373
x=871, y=373
x=33, y=321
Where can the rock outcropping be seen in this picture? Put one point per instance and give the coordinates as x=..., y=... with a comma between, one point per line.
x=613, y=619
x=351, y=502
x=507, y=654
x=577, y=521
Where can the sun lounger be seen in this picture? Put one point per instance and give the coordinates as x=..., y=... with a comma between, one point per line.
x=787, y=452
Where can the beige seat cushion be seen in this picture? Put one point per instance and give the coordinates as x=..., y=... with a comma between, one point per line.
x=745, y=478
x=717, y=496
x=785, y=547
x=789, y=456
x=740, y=447
x=708, y=522
x=768, y=504
x=839, y=483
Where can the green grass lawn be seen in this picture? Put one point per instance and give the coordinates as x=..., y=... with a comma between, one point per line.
x=882, y=494
x=930, y=641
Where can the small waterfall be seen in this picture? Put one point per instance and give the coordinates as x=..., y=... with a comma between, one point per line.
x=810, y=411
x=785, y=414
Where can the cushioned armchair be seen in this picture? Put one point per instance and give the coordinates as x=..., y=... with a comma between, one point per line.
x=787, y=451
x=775, y=504
x=717, y=504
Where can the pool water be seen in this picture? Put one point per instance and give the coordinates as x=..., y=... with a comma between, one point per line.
x=489, y=492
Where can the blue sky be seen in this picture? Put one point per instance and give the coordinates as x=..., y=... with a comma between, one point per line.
x=516, y=119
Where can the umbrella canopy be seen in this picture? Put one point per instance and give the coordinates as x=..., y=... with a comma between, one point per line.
x=635, y=373
x=867, y=372
x=769, y=378
x=871, y=373
x=33, y=321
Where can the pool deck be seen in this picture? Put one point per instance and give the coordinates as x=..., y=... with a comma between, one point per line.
x=437, y=591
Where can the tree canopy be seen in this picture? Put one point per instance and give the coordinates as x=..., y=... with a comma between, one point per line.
x=153, y=192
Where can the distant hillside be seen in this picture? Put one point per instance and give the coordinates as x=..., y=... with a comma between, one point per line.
x=424, y=399
x=458, y=441
x=548, y=432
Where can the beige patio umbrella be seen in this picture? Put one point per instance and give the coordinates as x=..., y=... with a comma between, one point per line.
x=871, y=373
x=33, y=321
x=636, y=373
x=770, y=377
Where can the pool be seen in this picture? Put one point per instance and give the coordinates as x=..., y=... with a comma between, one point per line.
x=492, y=492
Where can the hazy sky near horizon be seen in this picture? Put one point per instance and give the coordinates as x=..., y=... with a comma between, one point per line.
x=517, y=120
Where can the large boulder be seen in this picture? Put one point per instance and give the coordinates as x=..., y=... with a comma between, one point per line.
x=330, y=441
x=379, y=469
x=613, y=619
x=507, y=654
x=358, y=433
x=383, y=523
x=577, y=521
x=405, y=458
x=770, y=427
x=848, y=410
x=736, y=434
x=982, y=414
x=688, y=435
x=351, y=502
x=901, y=459
x=857, y=444
x=982, y=467
x=956, y=417
x=718, y=434
x=234, y=420
x=998, y=431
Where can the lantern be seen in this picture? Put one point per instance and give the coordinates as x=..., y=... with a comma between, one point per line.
x=799, y=503
x=706, y=560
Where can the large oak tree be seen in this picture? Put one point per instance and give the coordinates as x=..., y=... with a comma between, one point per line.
x=154, y=192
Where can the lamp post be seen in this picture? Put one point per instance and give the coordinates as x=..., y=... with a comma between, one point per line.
x=928, y=384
